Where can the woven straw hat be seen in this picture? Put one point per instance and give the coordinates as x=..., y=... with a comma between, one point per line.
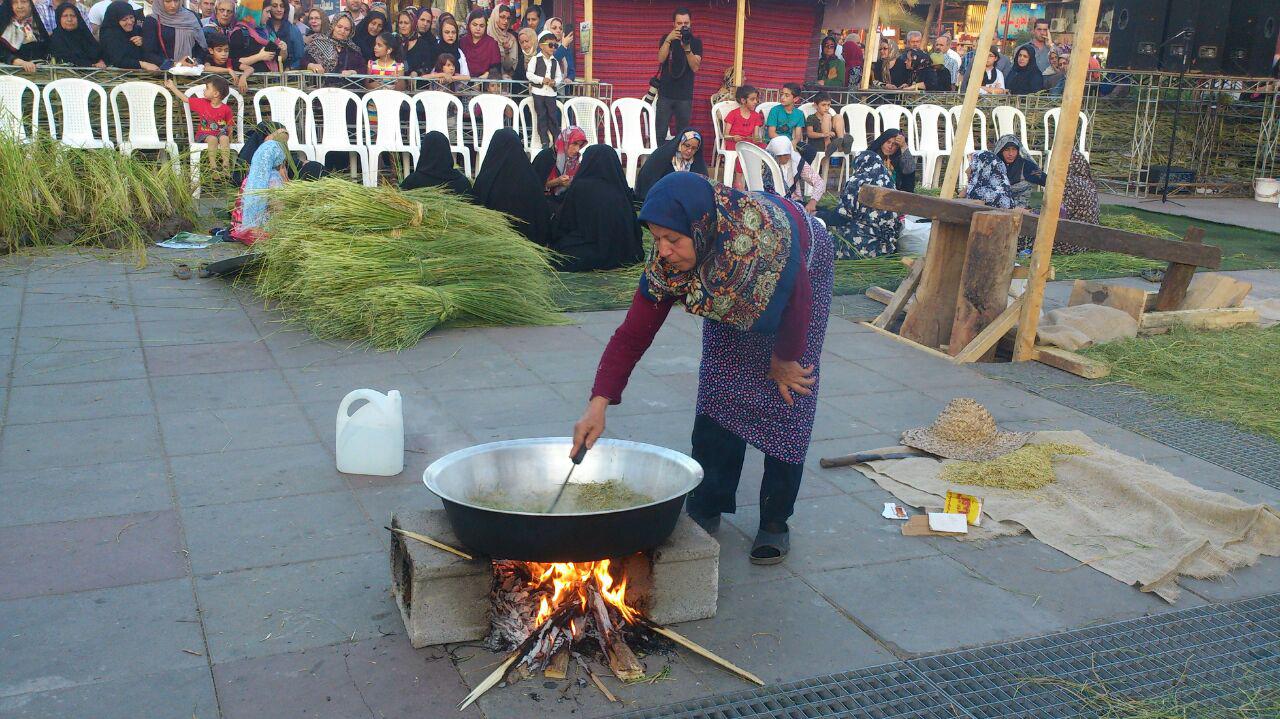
x=965, y=430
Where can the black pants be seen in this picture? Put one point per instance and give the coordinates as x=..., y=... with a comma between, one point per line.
x=665, y=109
x=720, y=452
x=548, y=118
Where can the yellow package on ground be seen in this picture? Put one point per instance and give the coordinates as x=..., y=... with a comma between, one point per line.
x=966, y=504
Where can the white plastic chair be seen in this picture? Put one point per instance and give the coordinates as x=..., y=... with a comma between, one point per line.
x=977, y=137
x=754, y=162
x=13, y=91
x=934, y=132
x=764, y=109
x=1051, y=130
x=491, y=117
x=196, y=149
x=391, y=136
x=592, y=115
x=862, y=122
x=289, y=107
x=78, y=129
x=1010, y=121
x=144, y=130
x=442, y=112
x=634, y=132
x=726, y=158
x=328, y=130
x=527, y=127
x=897, y=117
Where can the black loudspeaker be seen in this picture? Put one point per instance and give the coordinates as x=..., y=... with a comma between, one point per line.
x=1137, y=29
x=1206, y=45
x=1251, y=38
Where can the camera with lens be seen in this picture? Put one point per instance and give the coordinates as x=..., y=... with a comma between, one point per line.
x=685, y=35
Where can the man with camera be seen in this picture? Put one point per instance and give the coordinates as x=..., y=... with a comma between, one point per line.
x=679, y=57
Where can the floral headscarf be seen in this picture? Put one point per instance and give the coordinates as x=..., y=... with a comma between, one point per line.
x=566, y=165
x=988, y=181
x=325, y=49
x=677, y=161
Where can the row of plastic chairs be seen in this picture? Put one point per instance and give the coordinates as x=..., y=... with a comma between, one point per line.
x=320, y=122
x=930, y=131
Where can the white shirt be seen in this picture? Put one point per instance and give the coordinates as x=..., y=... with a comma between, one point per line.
x=535, y=80
x=999, y=82
x=953, y=63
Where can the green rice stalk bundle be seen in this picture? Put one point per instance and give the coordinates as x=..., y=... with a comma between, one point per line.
x=1028, y=467
x=1228, y=375
x=1133, y=223
x=385, y=267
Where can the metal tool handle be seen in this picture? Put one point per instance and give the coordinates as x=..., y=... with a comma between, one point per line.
x=577, y=460
x=580, y=454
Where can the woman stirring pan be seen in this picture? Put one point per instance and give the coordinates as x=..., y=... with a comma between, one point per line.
x=758, y=269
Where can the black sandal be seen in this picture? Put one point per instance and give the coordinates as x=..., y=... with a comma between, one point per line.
x=770, y=547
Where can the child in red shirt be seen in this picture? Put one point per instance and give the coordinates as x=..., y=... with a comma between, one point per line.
x=214, y=120
x=743, y=124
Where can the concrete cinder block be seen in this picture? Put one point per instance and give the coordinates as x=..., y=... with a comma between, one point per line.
x=444, y=598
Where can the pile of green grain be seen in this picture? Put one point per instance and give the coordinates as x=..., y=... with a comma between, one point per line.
x=1028, y=467
x=384, y=267
x=603, y=496
x=53, y=194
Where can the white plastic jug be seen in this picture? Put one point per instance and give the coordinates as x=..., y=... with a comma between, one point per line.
x=371, y=441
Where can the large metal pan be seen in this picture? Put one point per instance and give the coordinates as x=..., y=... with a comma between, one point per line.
x=529, y=473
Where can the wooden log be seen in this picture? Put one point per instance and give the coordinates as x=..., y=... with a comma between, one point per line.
x=929, y=320
x=703, y=652
x=1177, y=277
x=1093, y=237
x=739, y=31
x=596, y=680
x=1212, y=291
x=900, y=297
x=964, y=126
x=871, y=45
x=1068, y=361
x=985, y=277
x=1216, y=319
x=588, y=16
x=1131, y=300
x=558, y=667
x=898, y=338
x=983, y=347
x=622, y=661
x=1024, y=347
x=880, y=294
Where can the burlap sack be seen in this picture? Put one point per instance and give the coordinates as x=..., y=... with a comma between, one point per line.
x=1080, y=326
x=1129, y=520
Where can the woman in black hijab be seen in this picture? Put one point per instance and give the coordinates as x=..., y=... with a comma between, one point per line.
x=681, y=153
x=120, y=39
x=903, y=162
x=596, y=228
x=913, y=71
x=435, y=168
x=75, y=46
x=367, y=32
x=507, y=183
x=1025, y=76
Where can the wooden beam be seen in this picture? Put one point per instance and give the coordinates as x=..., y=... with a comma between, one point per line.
x=985, y=277
x=901, y=296
x=929, y=320
x=1211, y=291
x=588, y=16
x=1218, y=319
x=1068, y=361
x=871, y=47
x=1093, y=237
x=985, y=38
x=985, y=343
x=1177, y=277
x=905, y=341
x=739, y=34
x=880, y=294
x=1024, y=347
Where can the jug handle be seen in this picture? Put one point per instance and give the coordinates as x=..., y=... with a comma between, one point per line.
x=354, y=396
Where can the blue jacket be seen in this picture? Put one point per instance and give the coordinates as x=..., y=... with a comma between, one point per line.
x=289, y=35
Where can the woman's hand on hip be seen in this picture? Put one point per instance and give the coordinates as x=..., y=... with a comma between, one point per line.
x=791, y=377
x=589, y=428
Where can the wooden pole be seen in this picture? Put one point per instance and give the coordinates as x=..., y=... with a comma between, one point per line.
x=739, y=32
x=1072, y=97
x=965, y=126
x=588, y=16
x=871, y=48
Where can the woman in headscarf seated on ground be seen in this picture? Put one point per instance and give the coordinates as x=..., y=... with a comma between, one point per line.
x=23, y=38
x=1079, y=202
x=268, y=169
x=802, y=182
x=121, y=40
x=175, y=34
x=859, y=231
x=596, y=227
x=558, y=164
x=507, y=183
x=1019, y=169
x=435, y=168
x=682, y=153
x=71, y=41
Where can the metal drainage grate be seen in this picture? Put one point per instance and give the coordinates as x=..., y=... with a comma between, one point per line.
x=1203, y=655
x=1247, y=454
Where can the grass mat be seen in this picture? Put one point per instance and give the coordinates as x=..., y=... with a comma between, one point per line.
x=1229, y=375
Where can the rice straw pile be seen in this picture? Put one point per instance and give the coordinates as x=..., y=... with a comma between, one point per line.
x=384, y=267
x=54, y=194
x=1028, y=467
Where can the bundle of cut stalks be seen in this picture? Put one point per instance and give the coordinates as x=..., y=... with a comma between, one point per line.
x=384, y=267
x=51, y=194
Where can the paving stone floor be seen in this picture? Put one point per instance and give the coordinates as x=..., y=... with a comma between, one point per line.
x=176, y=542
